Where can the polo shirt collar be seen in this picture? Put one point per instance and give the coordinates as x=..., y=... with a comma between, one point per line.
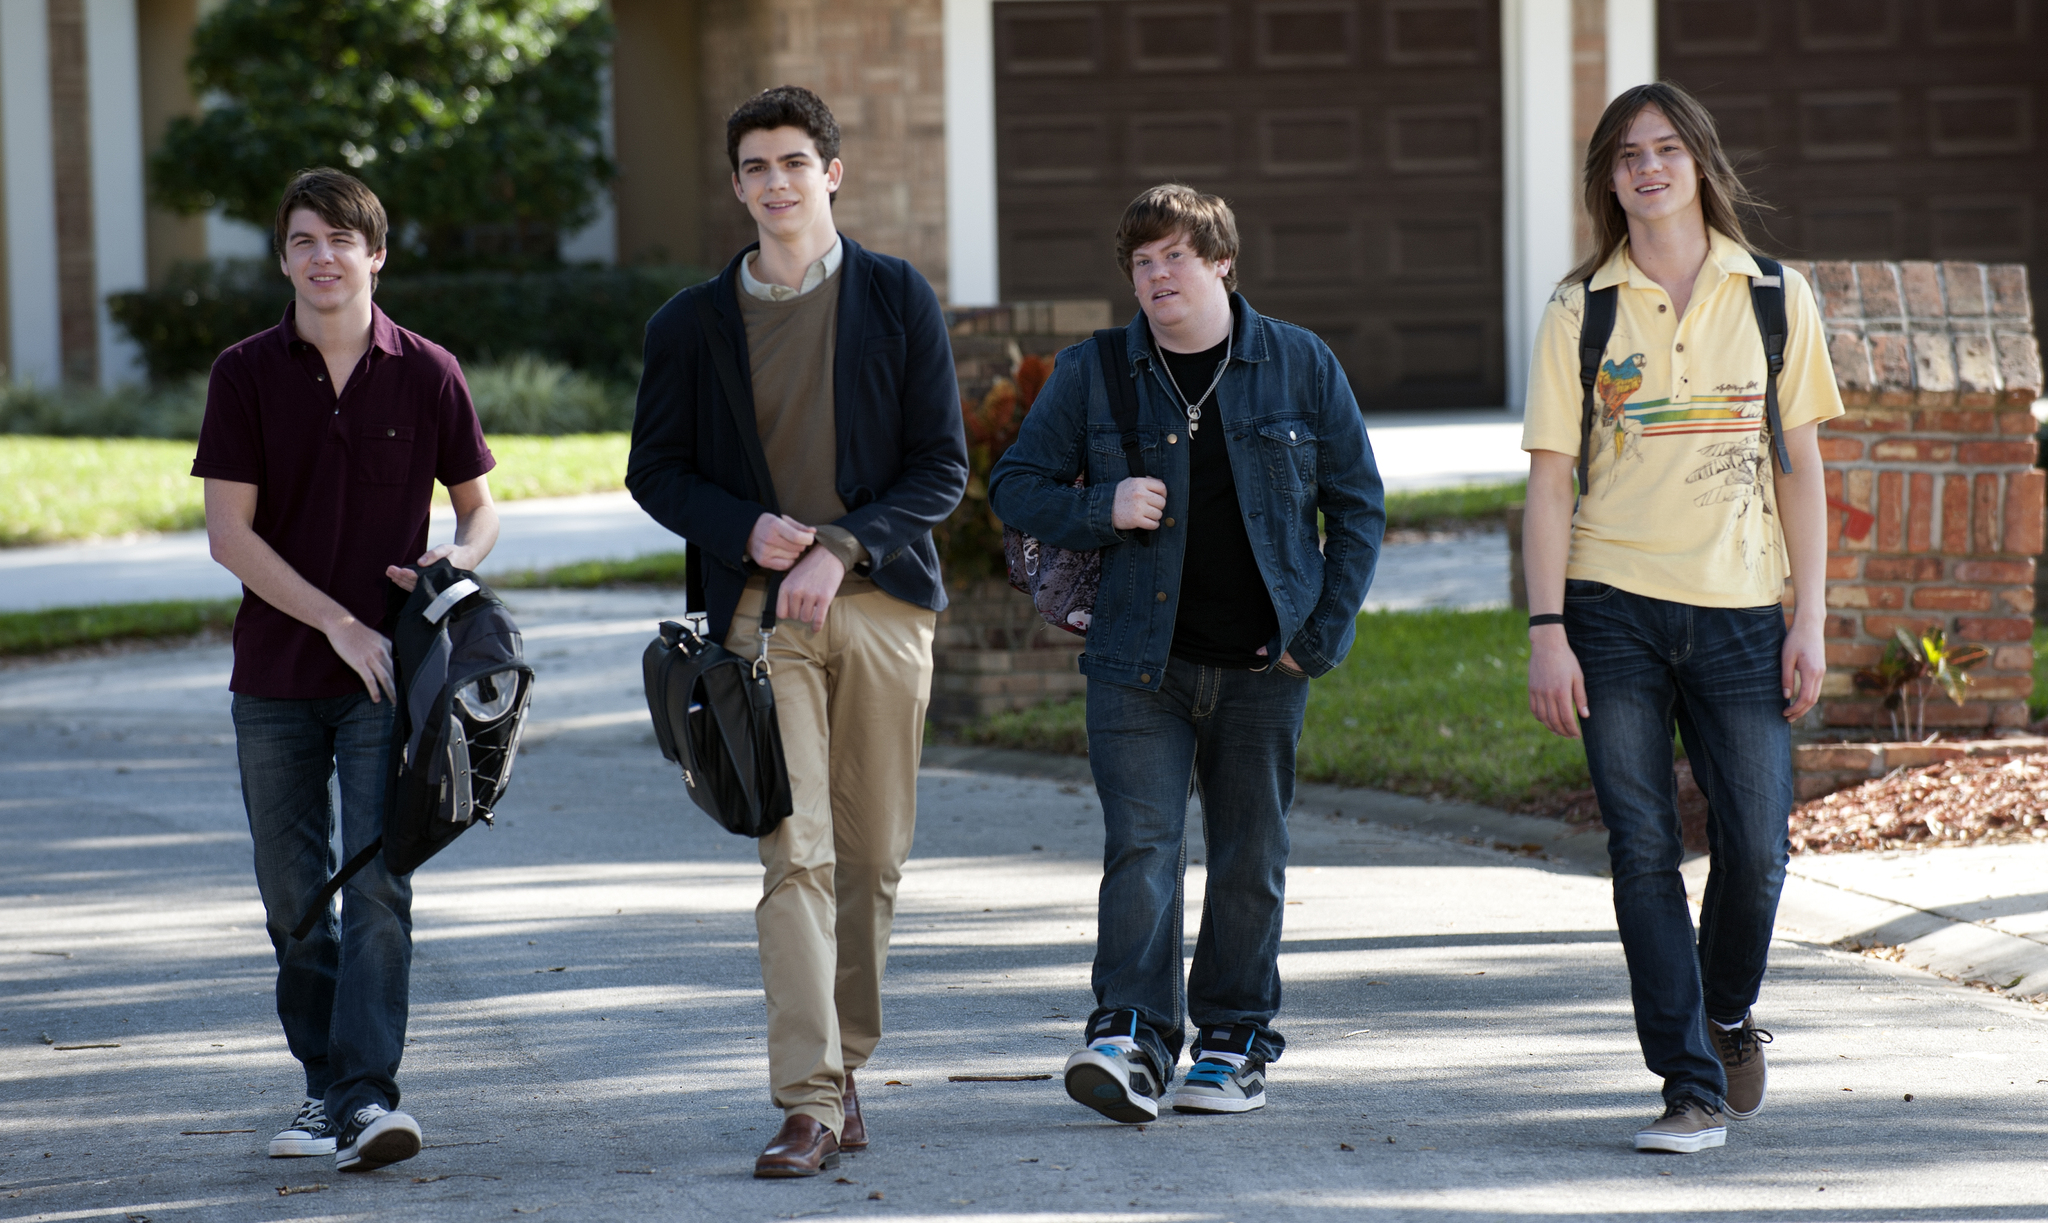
x=818, y=273
x=383, y=332
x=1725, y=258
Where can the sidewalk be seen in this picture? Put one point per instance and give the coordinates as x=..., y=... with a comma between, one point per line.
x=585, y=1042
x=1413, y=451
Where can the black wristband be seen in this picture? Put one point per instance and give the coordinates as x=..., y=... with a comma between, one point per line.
x=1546, y=618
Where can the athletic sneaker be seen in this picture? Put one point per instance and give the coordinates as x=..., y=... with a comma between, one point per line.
x=310, y=1133
x=1113, y=1076
x=1225, y=1078
x=1686, y=1126
x=1742, y=1057
x=376, y=1136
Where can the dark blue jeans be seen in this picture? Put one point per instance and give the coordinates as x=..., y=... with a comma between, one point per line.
x=1229, y=737
x=1714, y=674
x=342, y=990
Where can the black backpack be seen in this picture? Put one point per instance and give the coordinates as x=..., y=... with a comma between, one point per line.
x=463, y=689
x=1766, y=299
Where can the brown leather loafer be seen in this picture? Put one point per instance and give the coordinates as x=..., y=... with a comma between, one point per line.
x=853, y=1135
x=802, y=1147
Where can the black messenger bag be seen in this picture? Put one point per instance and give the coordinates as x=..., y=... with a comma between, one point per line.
x=713, y=710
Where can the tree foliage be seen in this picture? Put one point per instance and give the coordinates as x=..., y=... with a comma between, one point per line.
x=465, y=116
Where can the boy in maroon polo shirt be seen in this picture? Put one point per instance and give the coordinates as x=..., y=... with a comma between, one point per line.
x=322, y=441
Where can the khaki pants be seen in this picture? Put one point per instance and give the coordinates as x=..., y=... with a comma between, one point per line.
x=850, y=701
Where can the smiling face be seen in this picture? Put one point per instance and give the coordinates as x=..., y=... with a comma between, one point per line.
x=785, y=185
x=1655, y=177
x=329, y=266
x=1174, y=283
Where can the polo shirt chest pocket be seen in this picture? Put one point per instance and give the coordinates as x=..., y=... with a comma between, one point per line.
x=383, y=454
x=1289, y=448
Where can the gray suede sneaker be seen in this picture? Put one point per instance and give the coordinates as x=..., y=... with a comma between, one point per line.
x=1742, y=1057
x=1686, y=1126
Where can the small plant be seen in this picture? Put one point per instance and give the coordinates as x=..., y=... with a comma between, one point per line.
x=970, y=540
x=1909, y=669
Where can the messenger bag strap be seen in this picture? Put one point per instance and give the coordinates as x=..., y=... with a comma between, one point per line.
x=727, y=365
x=1123, y=401
x=325, y=896
x=1767, y=299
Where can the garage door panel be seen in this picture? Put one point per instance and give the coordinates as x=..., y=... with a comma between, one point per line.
x=1715, y=27
x=1299, y=127
x=1848, y=25
x=1974, y=120
x=1049, y=39
x=1837, y=125
x=1997, y=229
x=1966, y=23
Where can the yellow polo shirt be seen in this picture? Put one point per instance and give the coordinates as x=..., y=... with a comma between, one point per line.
x=1681, y=504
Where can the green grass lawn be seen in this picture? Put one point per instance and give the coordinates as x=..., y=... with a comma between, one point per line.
x=1432, y=702
x=1441, y=507
x=39, y=632
x=654, y=569
x=64, y=488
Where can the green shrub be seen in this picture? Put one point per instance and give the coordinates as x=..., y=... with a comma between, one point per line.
x=589, y=318
x=171, y=410
x=529, y=396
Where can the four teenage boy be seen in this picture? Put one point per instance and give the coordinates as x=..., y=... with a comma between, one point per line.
x=1232, y=571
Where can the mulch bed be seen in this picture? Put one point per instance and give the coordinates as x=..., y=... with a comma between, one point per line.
x=1972, y=801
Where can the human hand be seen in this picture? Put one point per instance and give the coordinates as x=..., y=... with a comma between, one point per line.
x=808, y=591
x=1803, y=666
x=778, y=540
x=367, y=652
x=406, y=578
x=1140, y=500
x=1557, y=687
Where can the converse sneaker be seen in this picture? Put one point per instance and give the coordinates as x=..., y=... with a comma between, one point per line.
x=1113, y=1076
x=310, y=1133
x=376, y=1136
x=1225, y=1078
x=1686, y=1126
x=1742, y=1057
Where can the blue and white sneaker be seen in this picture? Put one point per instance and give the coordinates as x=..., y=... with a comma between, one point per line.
x=1112, y=1075
x=310, y=1133
x=1225, y=1078
x=376, y=1136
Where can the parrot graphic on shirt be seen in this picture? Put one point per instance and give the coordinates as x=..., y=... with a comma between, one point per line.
x=1617, y=381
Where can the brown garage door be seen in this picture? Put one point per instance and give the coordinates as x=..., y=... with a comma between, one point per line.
x=1879, y=129
x=1358, y=140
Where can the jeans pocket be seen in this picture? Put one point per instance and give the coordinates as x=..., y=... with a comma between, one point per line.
x=1578, y=590
x=1768, y=609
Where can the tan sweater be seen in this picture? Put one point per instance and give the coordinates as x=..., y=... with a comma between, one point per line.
x=790, y=346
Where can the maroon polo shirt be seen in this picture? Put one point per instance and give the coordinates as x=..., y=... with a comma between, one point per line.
x=344, y=485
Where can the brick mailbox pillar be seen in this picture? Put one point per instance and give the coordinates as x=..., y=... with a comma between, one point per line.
x=1935, y=506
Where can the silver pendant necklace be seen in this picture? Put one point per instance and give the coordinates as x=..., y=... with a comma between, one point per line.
x=1194, y=410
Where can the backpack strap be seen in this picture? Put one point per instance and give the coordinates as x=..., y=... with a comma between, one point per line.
x=1594, y=330
x=1123, y=401
x=727, y=365
x=1767, y=297
x=316, y=910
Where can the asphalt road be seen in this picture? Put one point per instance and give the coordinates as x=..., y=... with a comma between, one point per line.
x=586, y=1036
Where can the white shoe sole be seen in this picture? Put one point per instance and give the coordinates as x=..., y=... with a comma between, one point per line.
x=1199, y=1102
x=391, y=1138
x=298, y=1148
x=1095, y=1081
x=1681, y=1144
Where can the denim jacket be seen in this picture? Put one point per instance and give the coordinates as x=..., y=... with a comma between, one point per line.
x=1296, y=444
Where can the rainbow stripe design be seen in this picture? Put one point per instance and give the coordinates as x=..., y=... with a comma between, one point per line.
x=1705, y=414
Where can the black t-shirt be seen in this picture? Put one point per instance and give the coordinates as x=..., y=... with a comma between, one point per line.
x=1224, y=615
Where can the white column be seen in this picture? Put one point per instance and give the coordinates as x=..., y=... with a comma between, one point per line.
x=1538, y=171
x=1631, y=44
x=973, y=267
x=598, y=242
x=120, y=249
x=35, y=347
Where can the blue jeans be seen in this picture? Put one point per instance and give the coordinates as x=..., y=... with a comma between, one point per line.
x=342, y=991
x=1229, y=736
x=1713, y=672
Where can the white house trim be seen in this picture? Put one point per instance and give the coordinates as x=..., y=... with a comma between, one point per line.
x=34, y=344
x=1631, y=44
x=1538, y=169
x=598, y=242
x=973, y=267
x=120, y=245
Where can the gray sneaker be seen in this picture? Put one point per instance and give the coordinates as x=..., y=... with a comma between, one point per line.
x=1686, y=1126
x=1742, y=1057
x=310, y=1133
x=1118, y=1083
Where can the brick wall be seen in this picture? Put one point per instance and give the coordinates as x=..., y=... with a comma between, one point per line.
x=1935, y=507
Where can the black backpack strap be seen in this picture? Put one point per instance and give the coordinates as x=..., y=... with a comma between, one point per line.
x=1594, y=331
x=1767, y=297
x=325, y=896
x=727, y=365
x=1123, y=400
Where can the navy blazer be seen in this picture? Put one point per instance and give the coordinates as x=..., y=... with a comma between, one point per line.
x=902, y=456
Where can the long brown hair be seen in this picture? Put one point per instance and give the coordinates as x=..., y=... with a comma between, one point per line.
x=1721, y=189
